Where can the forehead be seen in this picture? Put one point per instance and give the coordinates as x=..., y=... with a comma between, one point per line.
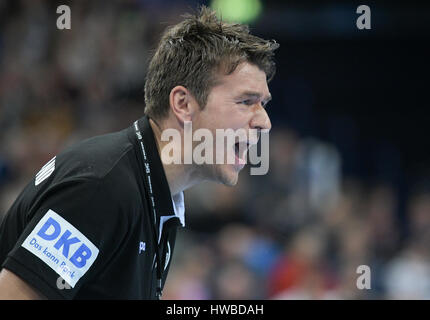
x=246, y=77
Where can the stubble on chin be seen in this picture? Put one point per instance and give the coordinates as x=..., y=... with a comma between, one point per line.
x=218, y=173
x=226, y=176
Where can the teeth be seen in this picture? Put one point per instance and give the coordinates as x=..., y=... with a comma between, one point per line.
x=238, y=146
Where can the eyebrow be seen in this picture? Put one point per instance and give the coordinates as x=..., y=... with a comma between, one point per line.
x=254, y=94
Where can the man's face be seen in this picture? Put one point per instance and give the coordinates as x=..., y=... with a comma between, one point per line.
x=236, y=102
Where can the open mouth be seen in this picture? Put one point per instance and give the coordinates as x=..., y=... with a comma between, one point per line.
x=240, y=149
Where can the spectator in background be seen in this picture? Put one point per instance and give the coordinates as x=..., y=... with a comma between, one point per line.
x=408, y=272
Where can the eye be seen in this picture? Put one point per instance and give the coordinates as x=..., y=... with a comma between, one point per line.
x=248, y=102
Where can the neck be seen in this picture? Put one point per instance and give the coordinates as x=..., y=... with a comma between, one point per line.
x=179, y=176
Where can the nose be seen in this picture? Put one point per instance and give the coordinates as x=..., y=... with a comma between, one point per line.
x=261, y=119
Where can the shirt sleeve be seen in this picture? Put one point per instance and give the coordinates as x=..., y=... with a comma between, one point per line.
x=70, y=234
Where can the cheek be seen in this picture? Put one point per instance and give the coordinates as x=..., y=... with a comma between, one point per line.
x=216, y=113
x=224, y=114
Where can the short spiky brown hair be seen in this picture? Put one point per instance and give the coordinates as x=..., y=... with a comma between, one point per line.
x=192, y=53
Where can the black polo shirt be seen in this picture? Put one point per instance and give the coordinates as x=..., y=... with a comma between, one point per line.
x=83, y=227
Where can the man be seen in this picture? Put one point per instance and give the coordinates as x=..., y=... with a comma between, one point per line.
x=99, y=220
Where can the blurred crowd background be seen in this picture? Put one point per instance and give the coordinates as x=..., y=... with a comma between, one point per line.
x=348, y=183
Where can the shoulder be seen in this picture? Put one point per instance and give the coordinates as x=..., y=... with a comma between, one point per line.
x=95, y=157
x=101, y=169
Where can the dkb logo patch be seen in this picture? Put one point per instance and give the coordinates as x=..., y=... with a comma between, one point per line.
x=62, y=247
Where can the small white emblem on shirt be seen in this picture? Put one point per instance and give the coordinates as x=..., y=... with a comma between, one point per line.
x=45, y=172
x=142, y=246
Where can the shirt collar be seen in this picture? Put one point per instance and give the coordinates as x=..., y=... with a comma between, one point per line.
x=179, y=207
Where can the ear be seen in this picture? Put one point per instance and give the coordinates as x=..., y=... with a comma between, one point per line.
x=182, y=104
